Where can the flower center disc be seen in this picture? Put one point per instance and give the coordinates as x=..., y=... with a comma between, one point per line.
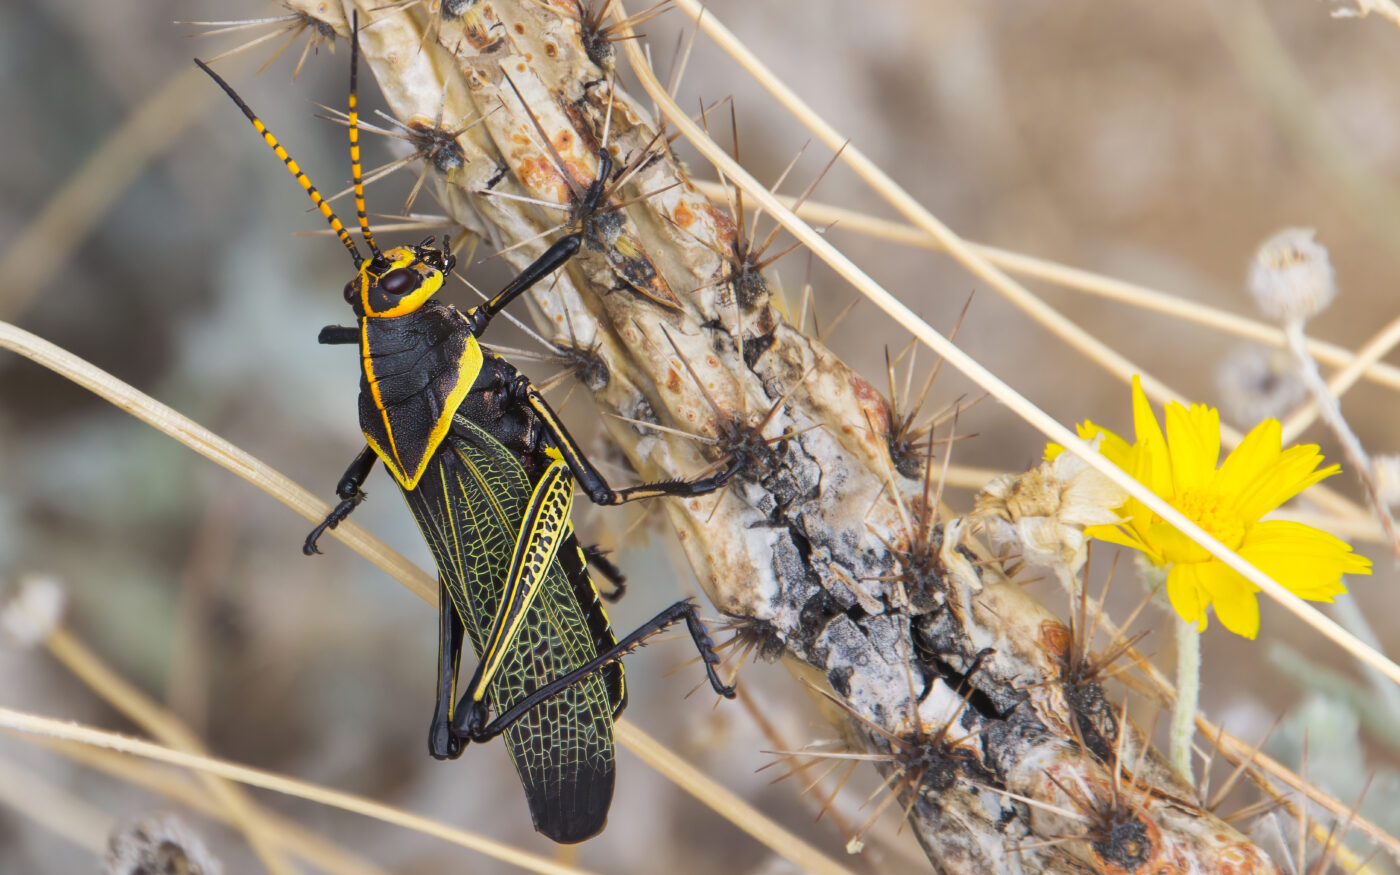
x=1209, y=511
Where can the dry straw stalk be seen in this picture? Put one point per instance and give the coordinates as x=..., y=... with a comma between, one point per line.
x=277, y=485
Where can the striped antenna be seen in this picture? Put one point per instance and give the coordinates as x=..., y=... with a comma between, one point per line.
x=336, y=225
x=354, y=118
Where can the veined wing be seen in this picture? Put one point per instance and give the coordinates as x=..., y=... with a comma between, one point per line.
x=469, y=505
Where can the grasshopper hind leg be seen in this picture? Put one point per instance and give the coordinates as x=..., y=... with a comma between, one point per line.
x=443, y=743
x=597, y=559
x=470, y=725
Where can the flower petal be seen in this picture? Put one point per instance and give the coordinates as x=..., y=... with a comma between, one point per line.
x=1239, y=613
x=1113, y=447
x=1308, y=562
x=1294, y=470
x=1188, y=597
x=1125, y=537
x=1232, y=596
x=1260, y=476
x=1254, y=455
x=1193, y=436
x=1153, y=463
x=1174, y=547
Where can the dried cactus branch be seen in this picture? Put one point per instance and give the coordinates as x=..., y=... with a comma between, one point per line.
x=821, y=545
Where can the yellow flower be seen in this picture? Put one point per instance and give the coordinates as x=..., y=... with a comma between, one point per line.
x=1227, y=501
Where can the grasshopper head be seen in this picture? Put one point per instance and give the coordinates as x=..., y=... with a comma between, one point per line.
x=400, y=281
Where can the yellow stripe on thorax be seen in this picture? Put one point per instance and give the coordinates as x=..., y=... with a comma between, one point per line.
x=367, y=363
x=468, y=368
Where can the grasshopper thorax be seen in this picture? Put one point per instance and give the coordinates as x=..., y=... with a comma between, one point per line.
x=399, y=281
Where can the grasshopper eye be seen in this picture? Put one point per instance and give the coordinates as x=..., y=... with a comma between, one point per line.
x=352, y=291
x=399, y=282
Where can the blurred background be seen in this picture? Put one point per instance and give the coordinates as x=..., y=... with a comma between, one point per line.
x=1156, y=143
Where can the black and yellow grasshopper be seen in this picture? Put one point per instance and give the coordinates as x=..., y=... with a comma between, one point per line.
x=489, y=471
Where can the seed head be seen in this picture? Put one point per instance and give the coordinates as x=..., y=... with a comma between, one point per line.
x=161, y=844
x=30, y=612
x=1291, y=276
x=1258, y=383
x=1385, y=470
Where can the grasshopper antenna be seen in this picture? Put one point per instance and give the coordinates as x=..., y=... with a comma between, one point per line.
x=353, y=115
x=336, y=225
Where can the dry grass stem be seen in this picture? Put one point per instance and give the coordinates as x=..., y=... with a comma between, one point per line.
x=968, y=366
x=292, y=838
x=1341, y=382
x=1348, y=528
x=164, y=726
x=1365, y=363
x=727, y=804
x=54, y=808
x=985, y=714
x=1260, y=767
x=950, y=243
x=1329, y=409
x=216, y=449
x=257, y=473
x=19, y=721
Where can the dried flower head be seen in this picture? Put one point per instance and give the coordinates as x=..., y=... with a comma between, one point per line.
x=1258, y=383
x=1228, y=500
x=956, y=565
x=158, y=845
x=1047, y=509
x=1291, y=276
x=31, y=611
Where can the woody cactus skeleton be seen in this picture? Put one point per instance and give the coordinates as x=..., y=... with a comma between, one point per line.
x=809, y=544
